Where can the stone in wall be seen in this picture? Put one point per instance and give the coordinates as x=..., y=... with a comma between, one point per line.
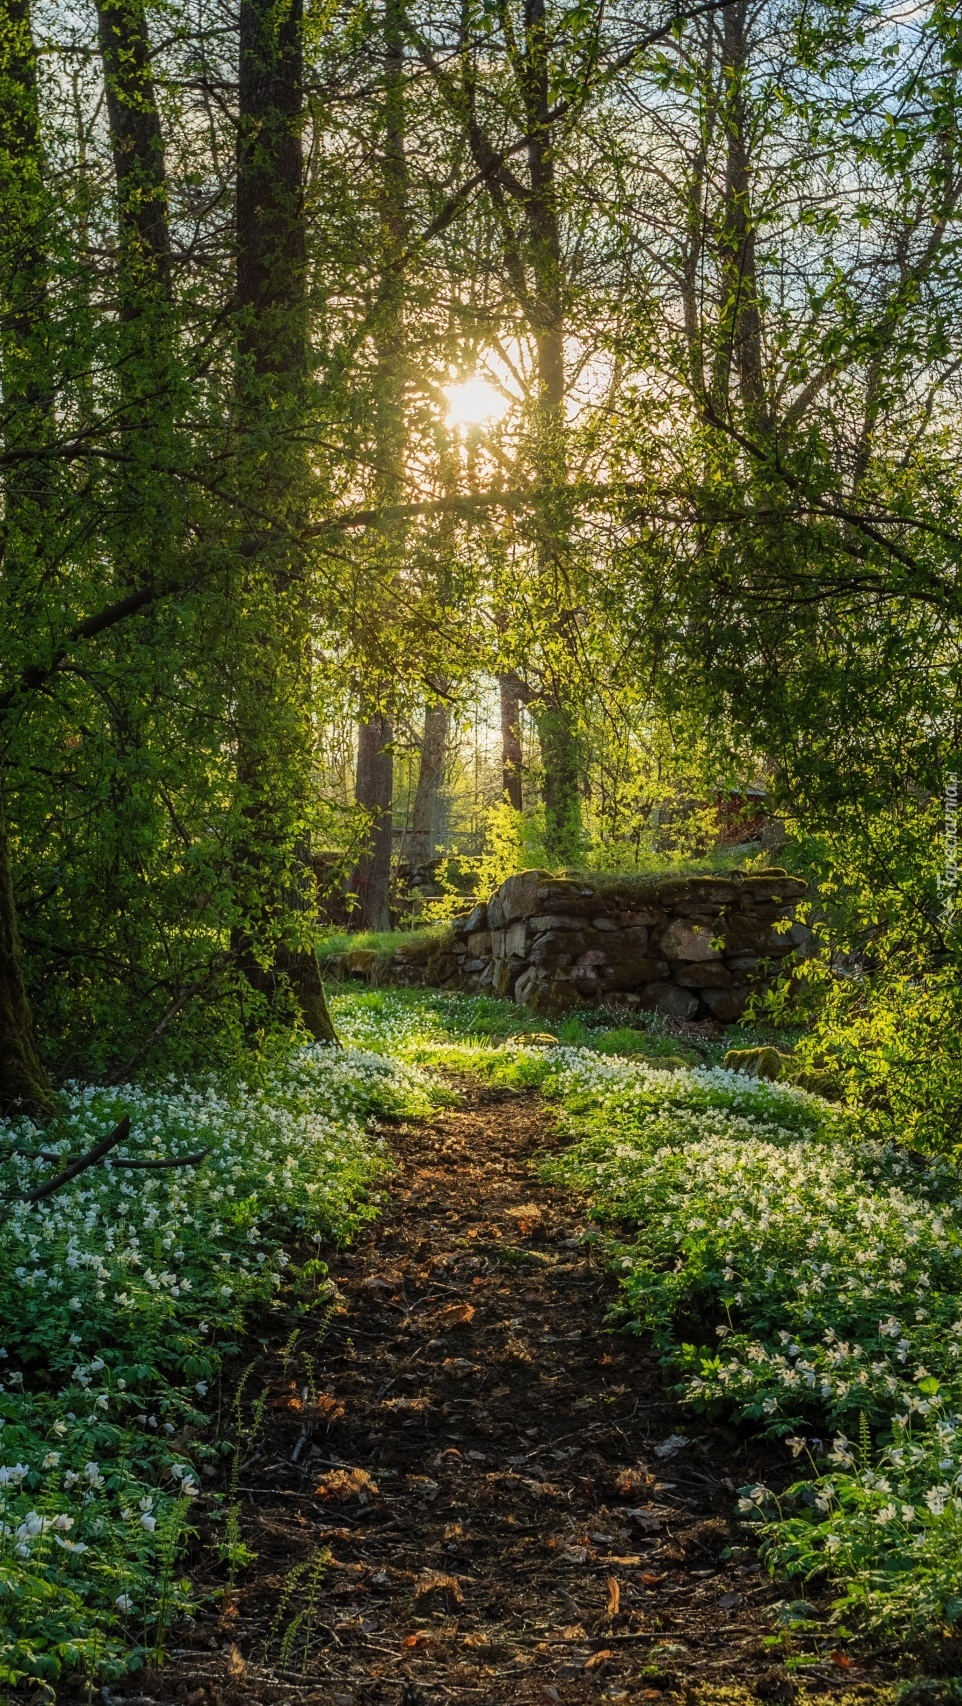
x=689, y=947
x=685, y=947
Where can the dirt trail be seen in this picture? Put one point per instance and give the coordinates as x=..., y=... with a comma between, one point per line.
x=508, y=1513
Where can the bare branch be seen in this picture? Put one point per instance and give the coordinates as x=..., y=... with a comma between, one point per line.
x=80, y=1165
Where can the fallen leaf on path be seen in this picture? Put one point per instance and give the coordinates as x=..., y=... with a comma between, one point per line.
x=435, y=1581
x=457, y=1315
x=629, y=1481
x=598, y=1659
x=614, y=1597
x=423, y=1486
x=287, y=1399
x=236, y=1665
x=526, y=1217
x=420, y=1638
x=325, y=1407
x=342, y=1484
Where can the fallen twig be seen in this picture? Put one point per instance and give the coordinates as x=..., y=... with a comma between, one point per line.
x=121, y=1160
x=162, y=1160
x=80, y=1165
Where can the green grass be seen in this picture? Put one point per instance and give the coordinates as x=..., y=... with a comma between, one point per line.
x=417, y=1022
x=716, y=862
x=332, y=942
x=420, y=1024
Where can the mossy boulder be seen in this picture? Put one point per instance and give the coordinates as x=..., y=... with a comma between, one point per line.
x=758, y=1062
x=770, y=1062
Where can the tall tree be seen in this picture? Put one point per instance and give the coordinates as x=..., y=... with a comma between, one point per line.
x=137, y=146
x=375, y=764
x=27, y=411
x=374, y=791
x=527, y=221
x=426, y=811
x=273, y=725
x=511, y=693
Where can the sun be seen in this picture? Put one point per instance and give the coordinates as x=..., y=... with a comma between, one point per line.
x=475, y=402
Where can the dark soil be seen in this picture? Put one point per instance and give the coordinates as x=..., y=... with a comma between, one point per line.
x=464, y=1487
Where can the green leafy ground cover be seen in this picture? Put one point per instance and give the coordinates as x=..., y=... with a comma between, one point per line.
x=121, y=1296
x=795, y=1273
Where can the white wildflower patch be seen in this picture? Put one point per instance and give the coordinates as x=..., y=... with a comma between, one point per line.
x=827, y=1270
x=129, y=1286
x=829, y=1263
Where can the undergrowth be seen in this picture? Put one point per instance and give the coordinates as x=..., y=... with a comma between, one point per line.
x=804, y=1278
x=122, y=1295
x=795, y=1272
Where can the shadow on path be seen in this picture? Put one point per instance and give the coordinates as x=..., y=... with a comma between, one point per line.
x=465, y=1488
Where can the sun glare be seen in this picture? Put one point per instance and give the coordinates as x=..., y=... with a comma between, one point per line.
x=474, y=402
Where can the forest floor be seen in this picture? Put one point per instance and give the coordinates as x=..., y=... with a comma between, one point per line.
x=464, y=1487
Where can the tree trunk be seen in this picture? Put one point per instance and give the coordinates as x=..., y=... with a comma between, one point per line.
x=137, y=145
x=25, y=328
x=24, y=1085
x=375, y=762
x=27, y=395
x=512, y=755
x=560, y=754
x=425, y=817
x=274, y=736
x=740, y=339
x=374, y=790
x=561, y=781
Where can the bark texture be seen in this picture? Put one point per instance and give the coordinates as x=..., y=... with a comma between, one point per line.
x=512, y=754
x=560, y=756
x=272, y=374
x=137, y=145
x=375, y=764
x=24, y=1085
x=374, y=791
x=740, y=346
x=24, y=352
x=426, y=813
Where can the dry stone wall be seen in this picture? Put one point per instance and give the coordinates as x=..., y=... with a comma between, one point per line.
x=690, y=947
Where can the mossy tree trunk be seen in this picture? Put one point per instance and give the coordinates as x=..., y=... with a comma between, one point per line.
x=273, y=724
x=24, y=350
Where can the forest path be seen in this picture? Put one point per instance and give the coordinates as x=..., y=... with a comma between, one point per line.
x=493, y=1473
